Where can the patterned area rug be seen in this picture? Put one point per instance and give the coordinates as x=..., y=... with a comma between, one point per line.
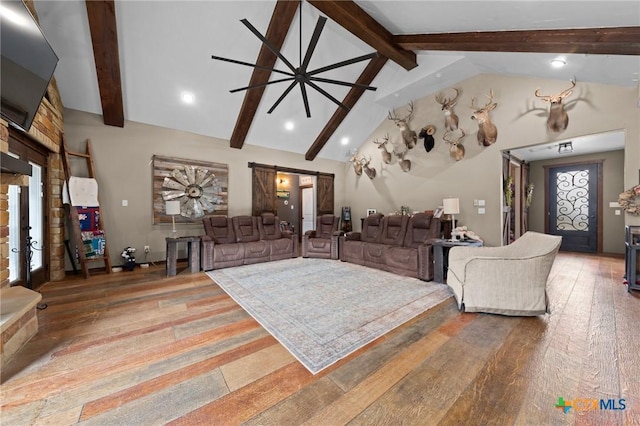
x=323, y=310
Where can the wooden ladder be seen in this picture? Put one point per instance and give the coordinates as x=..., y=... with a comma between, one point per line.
x=86, y=254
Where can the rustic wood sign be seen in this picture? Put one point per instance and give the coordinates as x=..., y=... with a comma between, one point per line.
x=201, y=187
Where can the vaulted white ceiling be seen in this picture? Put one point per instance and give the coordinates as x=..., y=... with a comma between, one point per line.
x=165, y=49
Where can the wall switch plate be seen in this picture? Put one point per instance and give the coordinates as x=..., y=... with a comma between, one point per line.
x=147, y=249
x=617, y=212
x=481, y=202
x=614, y=204
x=125, y=203
x=475, y=203
x=480, y=210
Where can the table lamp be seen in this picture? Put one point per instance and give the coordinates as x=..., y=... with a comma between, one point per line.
x=451, y=206
x=172, y=208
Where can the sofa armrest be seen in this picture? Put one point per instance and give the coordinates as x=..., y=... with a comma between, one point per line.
x=206, y=252
x=352, y=236
x=425, y=261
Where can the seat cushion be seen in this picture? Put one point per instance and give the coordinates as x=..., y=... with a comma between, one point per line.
x=421, y=227
x=246, y=228
x=402, y=258
x=372, y=228
x=256, y=251
x=269, y=226
x=394, y=229
x=220, y=229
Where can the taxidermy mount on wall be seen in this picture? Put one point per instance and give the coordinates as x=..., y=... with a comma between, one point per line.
x=558, y=119
x=427, y=133
x=409, y=137
x=450, y=118
x=487, y=131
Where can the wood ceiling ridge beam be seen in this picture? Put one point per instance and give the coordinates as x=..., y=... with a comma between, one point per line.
x=609, y=40
x=355, y=20
x=104, y=38
x=281, y=21
x=366, y=78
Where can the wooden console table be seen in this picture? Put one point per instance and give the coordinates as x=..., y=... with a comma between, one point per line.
x=193, y=250
x=441, y=256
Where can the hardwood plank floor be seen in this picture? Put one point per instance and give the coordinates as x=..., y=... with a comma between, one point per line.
x=138, y=348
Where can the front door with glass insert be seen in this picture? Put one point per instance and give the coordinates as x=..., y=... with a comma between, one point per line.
x=27, y=218
x=573, y=206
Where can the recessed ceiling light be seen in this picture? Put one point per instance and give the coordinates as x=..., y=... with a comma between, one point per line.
x=188, y=97
x=558, y=62
x=344, y=141
x=289, y=125
x=12, y=16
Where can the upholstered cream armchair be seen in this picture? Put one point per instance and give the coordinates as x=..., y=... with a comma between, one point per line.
x=508, y=280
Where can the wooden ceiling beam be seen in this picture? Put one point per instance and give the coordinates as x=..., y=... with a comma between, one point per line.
x=281, y=21
x=104, y=38
x=595, y=41
x=366, y=78
x=355, y=20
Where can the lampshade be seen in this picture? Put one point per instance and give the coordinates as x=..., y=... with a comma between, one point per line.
x=451, y=205
x=172, y=207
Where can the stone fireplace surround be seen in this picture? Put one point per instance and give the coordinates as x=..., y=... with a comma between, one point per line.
x=18, y=319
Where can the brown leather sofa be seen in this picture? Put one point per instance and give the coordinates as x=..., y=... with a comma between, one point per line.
x=322, y=242
x=398, y=244
x=243, y=240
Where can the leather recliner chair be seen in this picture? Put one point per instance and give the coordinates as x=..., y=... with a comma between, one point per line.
x=322, y=242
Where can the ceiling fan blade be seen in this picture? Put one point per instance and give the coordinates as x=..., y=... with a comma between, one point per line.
x=233, y=61
x=325, y=93
x=255, y=86
x=312, y=44
x=305, y=99
x=268, y=44
x=343, y=63
x=285, y=93
x=343, y=83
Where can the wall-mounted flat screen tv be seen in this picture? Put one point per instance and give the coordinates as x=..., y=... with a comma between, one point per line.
x=27, y=64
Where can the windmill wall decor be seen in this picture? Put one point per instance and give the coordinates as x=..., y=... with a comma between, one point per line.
x=300, y=76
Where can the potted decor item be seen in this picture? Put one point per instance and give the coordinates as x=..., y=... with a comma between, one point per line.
x=129, y=258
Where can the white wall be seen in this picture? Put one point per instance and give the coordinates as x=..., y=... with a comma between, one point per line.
x=434, y=175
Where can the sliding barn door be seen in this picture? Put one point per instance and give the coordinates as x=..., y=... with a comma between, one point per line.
x=325, y=194
x=264, y=191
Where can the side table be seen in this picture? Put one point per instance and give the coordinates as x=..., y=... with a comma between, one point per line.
x=441, y=256
x=193, y=254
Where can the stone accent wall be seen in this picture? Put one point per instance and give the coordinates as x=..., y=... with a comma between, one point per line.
x=47, y=129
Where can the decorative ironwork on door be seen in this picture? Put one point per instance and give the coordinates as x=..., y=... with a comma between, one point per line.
x=572, y=200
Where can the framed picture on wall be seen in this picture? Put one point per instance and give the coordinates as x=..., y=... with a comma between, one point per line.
x=438, y=212
x=371, y=211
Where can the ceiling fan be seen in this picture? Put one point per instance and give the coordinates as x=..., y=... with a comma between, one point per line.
x=300, y=75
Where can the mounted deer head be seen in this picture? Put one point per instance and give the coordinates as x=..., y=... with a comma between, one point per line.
x=382, y=146
x=409, y=137
x=450, y=118
x=405, y=164
x=357, y=165
x=368, y=170
x=558, y=119
x=426, y=133
x=487, y=131
x=456, y=150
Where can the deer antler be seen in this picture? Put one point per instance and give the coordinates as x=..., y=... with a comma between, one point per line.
x=457, y=141
x=394, y=116
x=567, y=92
x=447, y=102
x=384, y=140
x=560, y=95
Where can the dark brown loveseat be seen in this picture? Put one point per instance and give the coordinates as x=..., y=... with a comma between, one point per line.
x=243, y=240
x=396, y=243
